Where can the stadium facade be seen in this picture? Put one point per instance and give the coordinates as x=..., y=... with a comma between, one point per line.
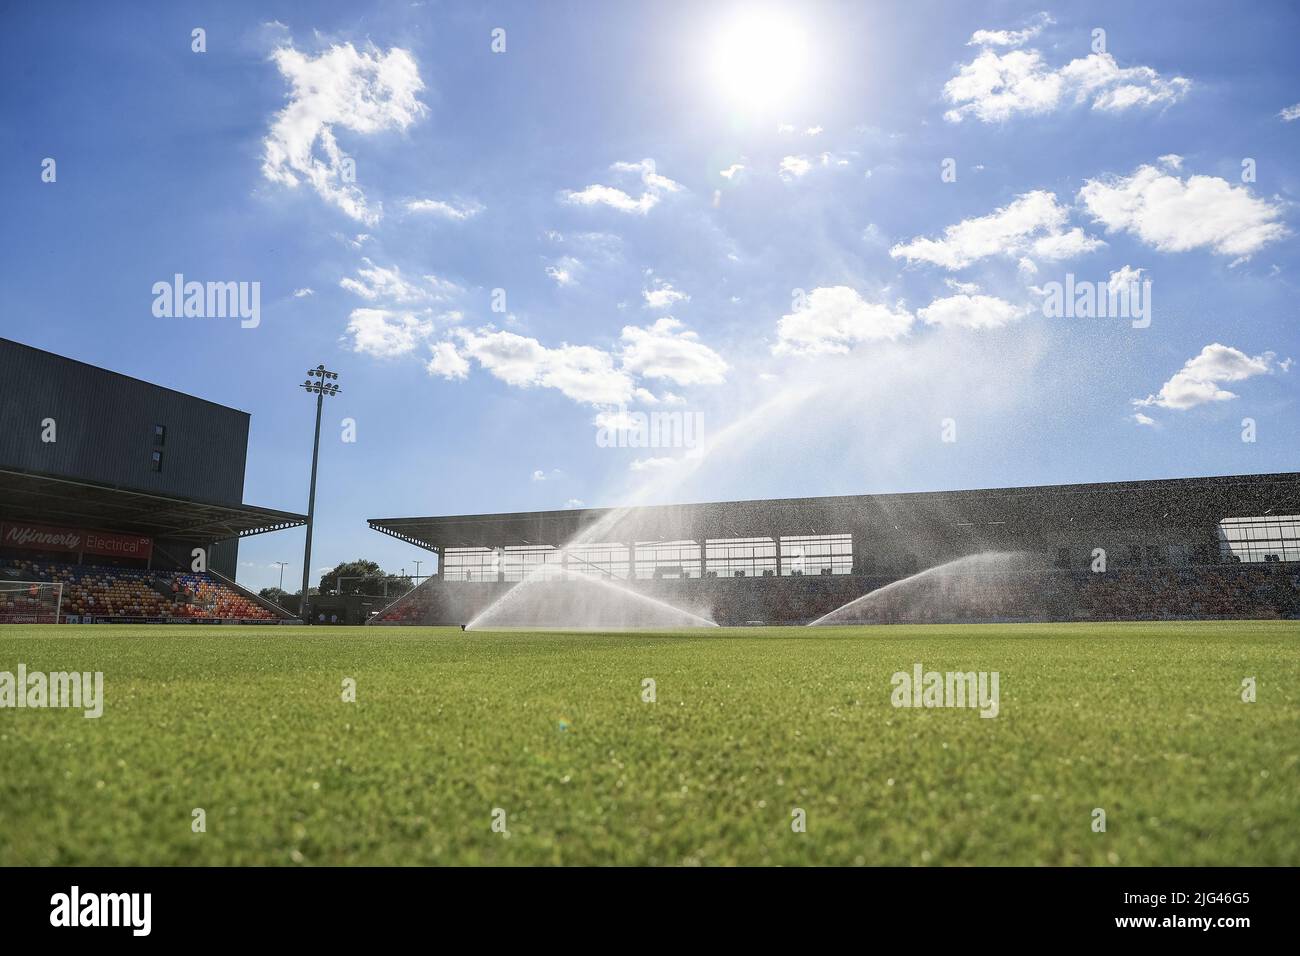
x=101, y=470
x=1190, y=547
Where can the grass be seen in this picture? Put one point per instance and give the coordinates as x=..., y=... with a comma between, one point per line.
x=1143, y=720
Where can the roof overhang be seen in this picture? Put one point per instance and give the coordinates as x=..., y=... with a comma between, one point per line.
x=57, y=500
x=1161, y=503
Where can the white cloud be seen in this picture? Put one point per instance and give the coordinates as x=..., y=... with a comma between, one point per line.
x=365, y=92
x=834, y=319
x=646, y=170
x=457, y=211
x=971, y=312
x=785, y=128
x=652, y=464
x=1011, y=37
x=614, y=198
x=1123, y=278
x=573, y=503
x=647, y=397
x=377, y=283
x=1034, y=222
x=813, y=131
x=386, y=334
x=655, y=187
x=448, y=362
x=1290, y=114
x=582, y=373
x=1114, y=88
x=303, y=293
x=1200, y=380
x=968, y=288
x=1175, y=215
x=564, y=270
x=1144, y=419
x=731, y=171
x=792, y=167
x=996, y=86
x=539, y=475
x=665, y=350
x=663, y=296
x=615, y=419
x=1069, y=244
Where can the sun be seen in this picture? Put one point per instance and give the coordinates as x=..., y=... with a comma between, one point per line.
x=759, y=59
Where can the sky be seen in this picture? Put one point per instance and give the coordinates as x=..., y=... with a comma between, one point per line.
x=592, y=254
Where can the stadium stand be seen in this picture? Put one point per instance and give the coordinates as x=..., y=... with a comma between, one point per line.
x=141, y=481
x=1184, y=548
x=134, y=594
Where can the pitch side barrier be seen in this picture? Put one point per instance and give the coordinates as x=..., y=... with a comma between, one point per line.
x=1205, y=592
x=103, y=619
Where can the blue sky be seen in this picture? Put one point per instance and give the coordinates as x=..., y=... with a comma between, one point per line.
x=736, y=212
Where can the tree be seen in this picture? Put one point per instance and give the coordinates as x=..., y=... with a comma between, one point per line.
x=274, y=595
x=363, y=577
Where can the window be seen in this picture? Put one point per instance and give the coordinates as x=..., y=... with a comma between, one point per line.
x=598, y=560
x=740, y=557
x=471, y=564
x=817, y=554
x=532, y=563
x=667, y=559
x=156, y=461
x=1270, y=540
x=160, y=435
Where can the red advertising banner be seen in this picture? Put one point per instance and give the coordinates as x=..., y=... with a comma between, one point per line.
x=36, y=537
x=119, y=545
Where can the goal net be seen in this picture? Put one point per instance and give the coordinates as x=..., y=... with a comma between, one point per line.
x=30, y=602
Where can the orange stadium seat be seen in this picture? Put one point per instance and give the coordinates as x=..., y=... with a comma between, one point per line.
x=89, y=590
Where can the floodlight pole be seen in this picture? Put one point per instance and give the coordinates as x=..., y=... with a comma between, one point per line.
x=282, y=565
x=316, y=383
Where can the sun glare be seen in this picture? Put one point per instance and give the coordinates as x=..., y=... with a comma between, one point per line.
x=759, y=59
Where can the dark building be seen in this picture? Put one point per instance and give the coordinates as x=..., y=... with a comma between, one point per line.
x=87, y=448
x=117, y=430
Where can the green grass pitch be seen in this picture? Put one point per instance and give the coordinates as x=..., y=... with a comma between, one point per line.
x=1145, y=721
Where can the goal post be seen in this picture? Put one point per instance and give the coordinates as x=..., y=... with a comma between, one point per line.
x=30, y=602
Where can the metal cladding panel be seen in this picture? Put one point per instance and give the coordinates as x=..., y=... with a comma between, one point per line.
x=925, y=523
x=104, y=428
